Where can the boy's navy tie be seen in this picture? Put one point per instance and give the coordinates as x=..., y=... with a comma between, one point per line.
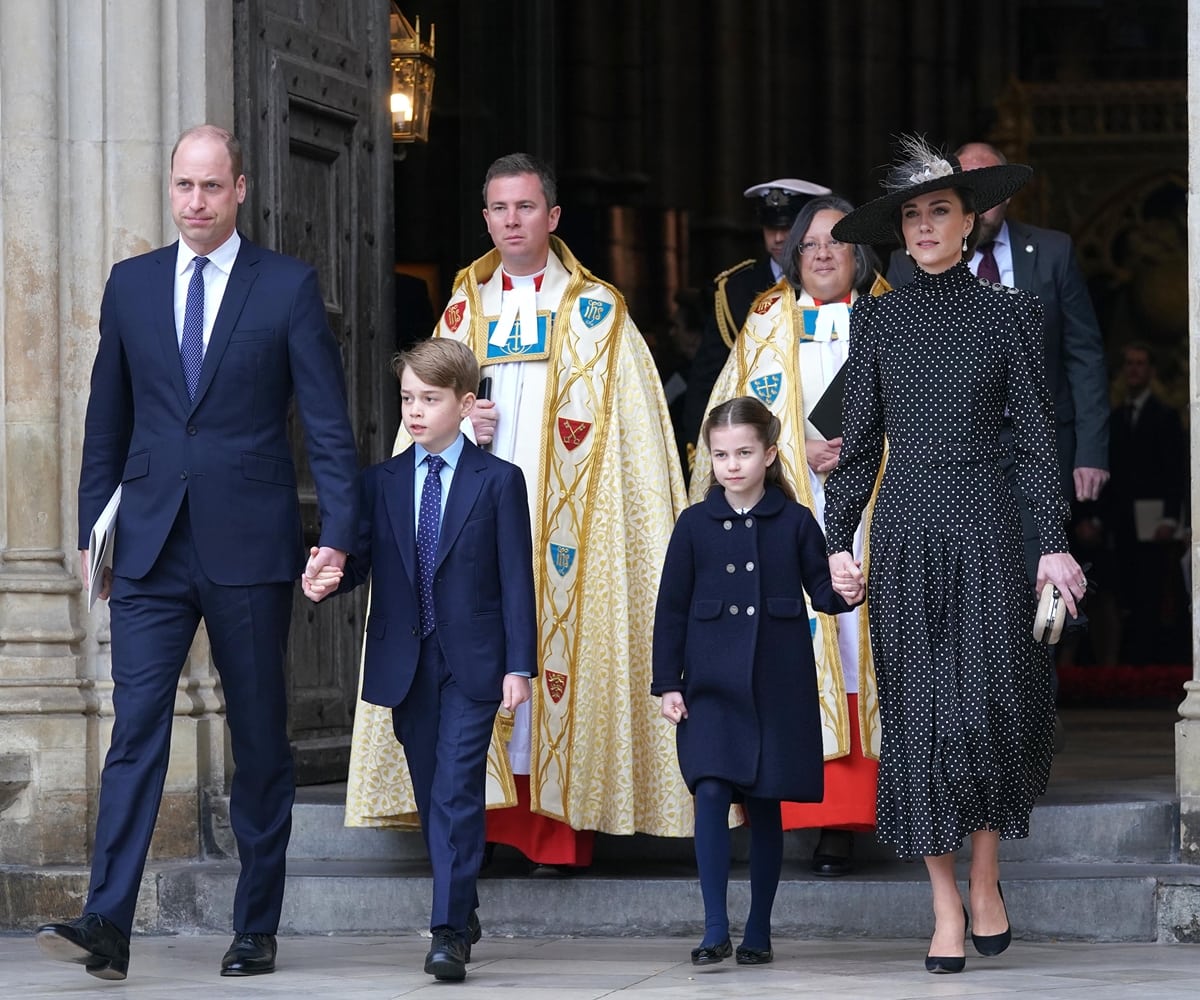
x=191, y=344
x=428, y=528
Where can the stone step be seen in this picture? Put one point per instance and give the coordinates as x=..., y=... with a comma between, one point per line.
x=1047, y=901
x=1141, y=828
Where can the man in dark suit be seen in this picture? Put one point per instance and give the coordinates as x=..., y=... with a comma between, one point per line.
x=735, y=290
x=1043, y=261
x=444, y=536
x=1143, y=507
x=203, y=344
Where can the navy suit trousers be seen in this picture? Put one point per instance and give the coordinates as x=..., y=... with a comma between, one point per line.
x=446, y=736
x=154, y=620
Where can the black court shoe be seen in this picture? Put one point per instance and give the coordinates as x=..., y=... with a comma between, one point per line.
x=991, y=945
x=941, y=964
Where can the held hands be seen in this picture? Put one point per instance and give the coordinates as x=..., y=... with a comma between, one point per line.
x=484, y=416
x=323, y=573
x=823, y=455
x=847, y=578
x=105, y=582
x=673, y=709
x=1061, y=569
x=517, y=691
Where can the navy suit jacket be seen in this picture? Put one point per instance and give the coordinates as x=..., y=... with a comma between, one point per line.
x=483, y=577
x=1044, y=263
x=227, y=451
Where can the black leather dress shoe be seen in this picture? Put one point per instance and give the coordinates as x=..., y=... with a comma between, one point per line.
x=474, y=932
x=712, y=954
x=92, y=941
x=831, y=858
x=447, y=958
x=249, y=955
x=753, y=956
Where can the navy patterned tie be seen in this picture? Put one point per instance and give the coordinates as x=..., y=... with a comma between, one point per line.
x=191, y=345
x=428, y=528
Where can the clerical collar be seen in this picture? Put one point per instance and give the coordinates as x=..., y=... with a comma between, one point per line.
x=510, y=281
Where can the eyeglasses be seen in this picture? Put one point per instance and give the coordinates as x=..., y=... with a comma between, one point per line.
x=833, y=246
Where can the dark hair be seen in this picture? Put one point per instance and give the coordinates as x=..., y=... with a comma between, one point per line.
x=232, y=146
x=1138, y=345
x=866, y=263
x=746, y=411
x=966, y=198
x=442, y=362
x=515, y=164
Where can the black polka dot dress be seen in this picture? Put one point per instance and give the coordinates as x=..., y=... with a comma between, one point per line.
x=964, y=690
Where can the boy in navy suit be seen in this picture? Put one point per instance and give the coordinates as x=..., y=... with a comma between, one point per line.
x=444, y=532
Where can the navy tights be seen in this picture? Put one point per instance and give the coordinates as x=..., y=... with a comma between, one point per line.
x=713, y=798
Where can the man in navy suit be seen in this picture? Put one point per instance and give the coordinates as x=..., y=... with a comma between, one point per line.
x=203, y=345
x=1043, y=261
x=444, y=534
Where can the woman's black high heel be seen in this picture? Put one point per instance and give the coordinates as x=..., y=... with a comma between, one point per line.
x=990, y=945
x=953, y=963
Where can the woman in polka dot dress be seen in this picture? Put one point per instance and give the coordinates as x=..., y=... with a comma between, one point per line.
x=964, y=689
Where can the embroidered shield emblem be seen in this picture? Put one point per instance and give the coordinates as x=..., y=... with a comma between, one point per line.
x=556, y=685
x=573, y=432
x=563, y=558
x=454, y=316
x=766, y=387
x=593, y=311
x=764, y=306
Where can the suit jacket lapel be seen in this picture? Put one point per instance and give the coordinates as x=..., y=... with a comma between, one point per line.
x=241, y=279
x=464, y=489
x=162, y=314
x=1022, y=260
x=398, y=499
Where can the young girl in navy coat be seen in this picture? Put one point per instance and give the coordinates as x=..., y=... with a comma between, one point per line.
x=733, y=662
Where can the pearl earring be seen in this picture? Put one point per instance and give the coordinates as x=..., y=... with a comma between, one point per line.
x=907, y=252
x=964, y=244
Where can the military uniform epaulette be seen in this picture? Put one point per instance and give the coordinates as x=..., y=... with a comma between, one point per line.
x=724, y=275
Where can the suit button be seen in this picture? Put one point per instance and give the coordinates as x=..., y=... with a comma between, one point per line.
x=183, y=475
x=414, y=630
x=192, y=430
x=733, y=609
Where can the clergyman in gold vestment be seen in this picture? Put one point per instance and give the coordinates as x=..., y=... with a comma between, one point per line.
x=576, y=402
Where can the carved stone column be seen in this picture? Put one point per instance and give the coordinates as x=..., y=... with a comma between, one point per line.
x=92, y=97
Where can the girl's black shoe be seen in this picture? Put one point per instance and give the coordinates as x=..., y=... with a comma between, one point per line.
x=754, y=956
x=712, y=954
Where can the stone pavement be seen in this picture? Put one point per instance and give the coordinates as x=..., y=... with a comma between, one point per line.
x=358, y=968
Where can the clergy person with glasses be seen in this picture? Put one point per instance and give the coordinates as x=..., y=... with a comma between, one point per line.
x=204, y=346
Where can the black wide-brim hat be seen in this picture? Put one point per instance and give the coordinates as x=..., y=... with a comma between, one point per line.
x=923, y=169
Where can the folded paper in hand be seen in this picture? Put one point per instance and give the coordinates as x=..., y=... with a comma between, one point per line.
x=826, y=416
x=100, y=546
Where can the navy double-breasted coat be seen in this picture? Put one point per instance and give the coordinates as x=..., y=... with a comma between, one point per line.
x=731, y=632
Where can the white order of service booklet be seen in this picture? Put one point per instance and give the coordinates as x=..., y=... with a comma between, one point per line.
x=100, y=546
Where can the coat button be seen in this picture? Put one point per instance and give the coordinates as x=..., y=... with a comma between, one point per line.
x=750, y=610
x=730, y=568
x=192, y=430
x=749, y=567
x=733, y=609
x=183, y=475
x=728, y=525
x=749, y=522
x=414, y=630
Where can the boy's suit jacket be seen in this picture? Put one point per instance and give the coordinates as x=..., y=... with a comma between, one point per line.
x=483, y=578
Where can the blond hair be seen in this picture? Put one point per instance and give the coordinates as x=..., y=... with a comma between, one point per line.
x=441, y=362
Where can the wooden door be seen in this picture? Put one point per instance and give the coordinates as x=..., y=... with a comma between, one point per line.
x=311, y=86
